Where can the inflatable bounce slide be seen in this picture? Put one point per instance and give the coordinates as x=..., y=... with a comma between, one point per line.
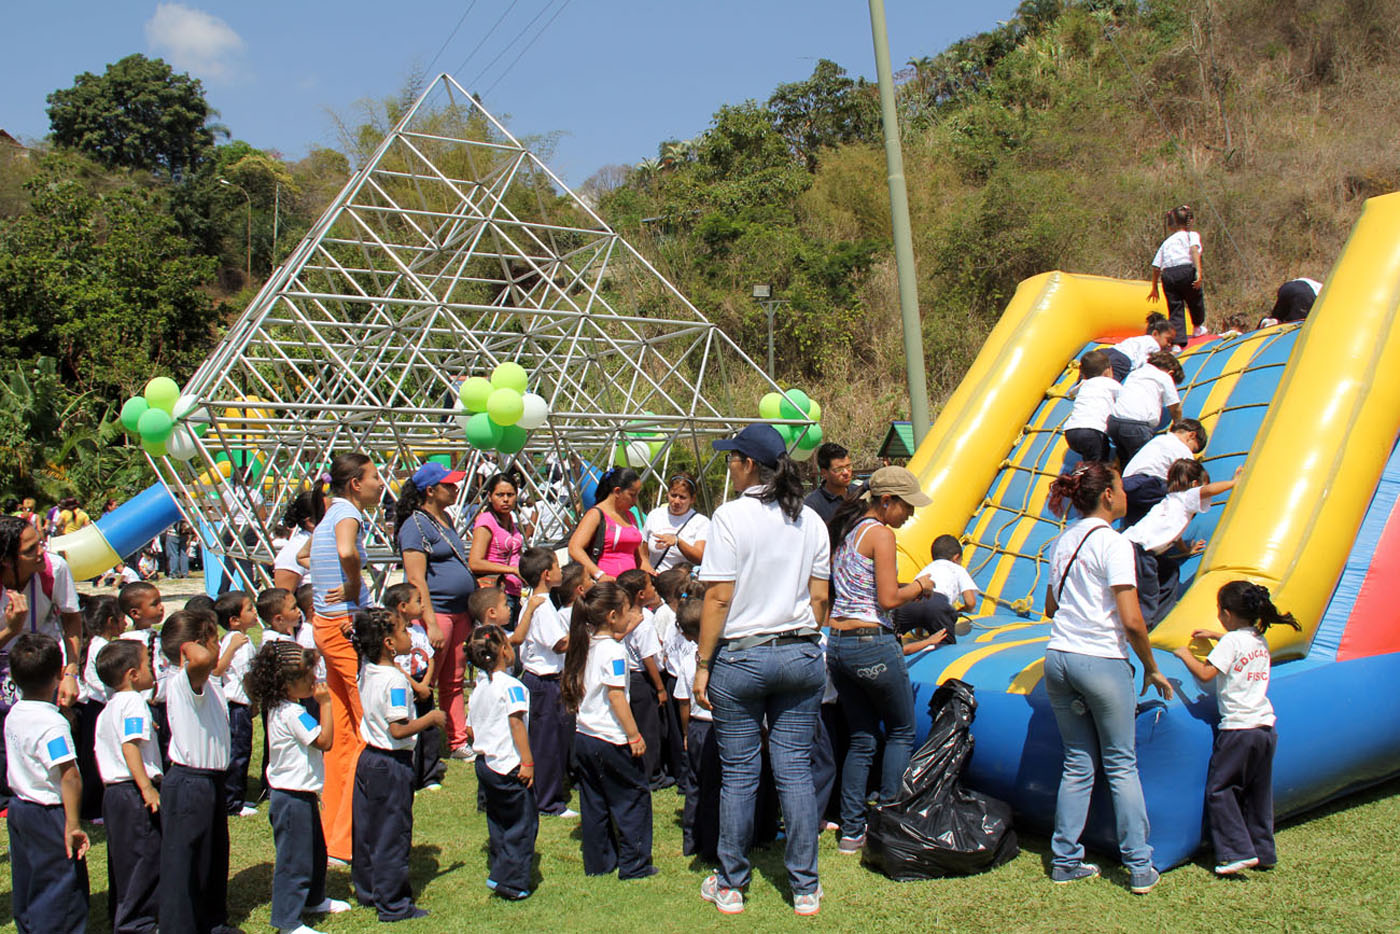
x=1312, y=412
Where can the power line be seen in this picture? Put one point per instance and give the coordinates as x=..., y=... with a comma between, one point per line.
x=543, y=30
x=489, y=32
x=506, y=48
x=443, y=48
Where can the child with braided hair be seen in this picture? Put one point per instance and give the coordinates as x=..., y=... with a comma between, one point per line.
x=1240, y=783
x=280, y=678
x=498, y=720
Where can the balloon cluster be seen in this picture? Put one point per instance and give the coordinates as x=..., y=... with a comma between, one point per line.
x=639, y=446
x=166, y=422
x=498, y=413
x=794, y=405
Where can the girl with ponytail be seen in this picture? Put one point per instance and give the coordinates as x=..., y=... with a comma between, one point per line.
x=1239, y=784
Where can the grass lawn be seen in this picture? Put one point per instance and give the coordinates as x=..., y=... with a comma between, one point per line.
x=1338, y=870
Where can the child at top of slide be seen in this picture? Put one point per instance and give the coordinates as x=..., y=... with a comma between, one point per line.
x=1086, y=429
x=1177, y=267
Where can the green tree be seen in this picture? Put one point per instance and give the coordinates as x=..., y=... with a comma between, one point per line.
x=825, y=110
x=139, y=114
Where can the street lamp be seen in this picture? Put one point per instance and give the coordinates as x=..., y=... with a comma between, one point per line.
x=248, y=235
x=763, y=294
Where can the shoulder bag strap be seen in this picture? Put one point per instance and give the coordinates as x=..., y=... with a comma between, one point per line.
x=692, y=515
x=1059, y=593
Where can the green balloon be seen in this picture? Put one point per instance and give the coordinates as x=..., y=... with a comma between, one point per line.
x=811, y=439
x=510, y=376
x=814, y=410
x=154, y=448
x=513, y=439
x=770, y=406
x=482, y=432
x=474, y=393
x=505, y=407
x=155, y=426
x=656, y=447
x=789, y=433
x=162, y=393
x=132, y=410
x=797, y=406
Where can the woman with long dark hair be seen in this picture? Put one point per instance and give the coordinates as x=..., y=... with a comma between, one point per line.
x=301, y=517
x=435, y=560
x=1094, y=618
x=622, y=546
x=497, y=542
x=759, y=658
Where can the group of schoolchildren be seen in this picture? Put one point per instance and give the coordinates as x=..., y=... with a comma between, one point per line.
x=1119, y=401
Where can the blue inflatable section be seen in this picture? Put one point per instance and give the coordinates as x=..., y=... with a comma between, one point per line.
x=132, y=525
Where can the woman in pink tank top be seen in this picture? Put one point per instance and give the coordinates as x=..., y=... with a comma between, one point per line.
x=623, y=546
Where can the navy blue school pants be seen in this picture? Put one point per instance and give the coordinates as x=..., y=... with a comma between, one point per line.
x=1128, y=436
x=1182, y=297
x=382, y=826
x=1089, y=443
x=1240, y=795
x=299, y=875
x=673, y=761
x=193, y=851
x=1120, y=364
x=551, y=731
x=1143, y=491
x=50, y=891
x=161, y=720
x=240, y=753
x=612, y=789
x=700, y=820
x=1158, y=577
x=512, y=822
x=85, y=743
x=133, y=859
x=428, y=767
x=647, y=714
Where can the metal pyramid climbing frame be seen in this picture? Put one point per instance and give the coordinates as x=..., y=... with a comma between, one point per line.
x=454, y=248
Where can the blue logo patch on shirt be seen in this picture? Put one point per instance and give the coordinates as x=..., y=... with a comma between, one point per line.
x=133, y=726
x=516, y=695
x=57, y=748
x=619, y=667
x=308, y=721
x=398, y=697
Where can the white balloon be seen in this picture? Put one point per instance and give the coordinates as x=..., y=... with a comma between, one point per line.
x=187, y=410
x=799, y=454
x=181, y=444
x=638, y=454
x=536, y=411
x=462, y=416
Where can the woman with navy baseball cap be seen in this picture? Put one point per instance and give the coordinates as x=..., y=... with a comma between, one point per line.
x=759, y=658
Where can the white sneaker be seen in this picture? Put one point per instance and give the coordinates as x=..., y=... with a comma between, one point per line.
x=465, y=753
x=331, y=906
x=809, y=904
x=248, y=811
x=435, y=786
x=300, y=929
x=567, y=812
x=1200, y=331
x=336, y=861
x=728, y=901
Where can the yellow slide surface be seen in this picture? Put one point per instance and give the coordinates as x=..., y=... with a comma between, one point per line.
x=1310, y=472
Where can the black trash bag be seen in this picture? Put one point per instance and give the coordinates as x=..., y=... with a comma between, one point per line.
x=936, y=827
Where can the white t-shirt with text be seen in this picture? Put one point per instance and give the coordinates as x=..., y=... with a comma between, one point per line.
x=1242, y=687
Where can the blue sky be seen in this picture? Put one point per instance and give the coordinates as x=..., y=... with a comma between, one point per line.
x=612, y=77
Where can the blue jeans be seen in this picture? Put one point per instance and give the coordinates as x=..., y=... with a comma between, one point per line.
x=783, y=685
x=873, y=684
x=1095, y=707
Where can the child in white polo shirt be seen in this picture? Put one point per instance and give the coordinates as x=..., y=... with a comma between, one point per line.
x=47, y=847
x=383, y=796
x=194, y=849
x=543, y=637
x=237, y=613
x=128, y=758
x=498, y=720
x=283, y=675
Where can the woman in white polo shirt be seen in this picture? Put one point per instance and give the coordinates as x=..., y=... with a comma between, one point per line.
x=1093, y=605
x=759, y=658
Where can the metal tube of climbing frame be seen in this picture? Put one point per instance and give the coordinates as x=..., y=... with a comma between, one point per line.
x=903, y=241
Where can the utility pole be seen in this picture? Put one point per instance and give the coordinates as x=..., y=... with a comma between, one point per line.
x=903, y=241
x=764, y=296
x=248, y=235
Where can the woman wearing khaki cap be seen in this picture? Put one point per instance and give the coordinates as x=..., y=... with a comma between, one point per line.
x=864, y=654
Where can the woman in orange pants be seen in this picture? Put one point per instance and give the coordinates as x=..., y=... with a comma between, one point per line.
x=337, y=558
